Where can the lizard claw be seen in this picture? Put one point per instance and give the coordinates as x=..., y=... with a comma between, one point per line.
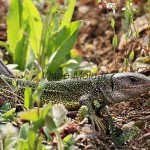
x=97, y=123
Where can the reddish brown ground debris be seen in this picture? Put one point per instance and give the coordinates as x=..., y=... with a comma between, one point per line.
x=95, y=44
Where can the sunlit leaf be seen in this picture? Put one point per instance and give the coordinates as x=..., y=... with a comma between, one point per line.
x=28, y=103
x=68, y=14
x=112, y=23
x=31, y=115
x=59, y=113
x=50, y=123
x=68, y=41
x=4, y=45
x=115, y=41
x=35, y=24
x=131, y=56
x=9, y=113
x=14, y=24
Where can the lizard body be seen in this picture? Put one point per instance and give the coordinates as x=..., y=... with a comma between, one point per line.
x=109, y=88
x=69, y=92
x=112, y=88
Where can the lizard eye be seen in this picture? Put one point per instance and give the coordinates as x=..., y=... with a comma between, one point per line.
x=133, y=79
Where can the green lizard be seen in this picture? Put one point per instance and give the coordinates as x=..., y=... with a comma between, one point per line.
x=109, y=88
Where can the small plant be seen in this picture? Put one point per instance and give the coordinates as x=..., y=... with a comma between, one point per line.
x=46, y=38
x=42, y=126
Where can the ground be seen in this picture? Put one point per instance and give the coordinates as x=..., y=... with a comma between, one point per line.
x=95, y=44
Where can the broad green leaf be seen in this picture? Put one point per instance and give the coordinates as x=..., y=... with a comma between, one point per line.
x=70, y=37
x=35, y=24
x=21, y=144
x=36, y=115
x=68, y=14
x=41, y=121
x=9, y=113
x=21, y=53
x=59, y=113
x=58, y=39
x=24, y=131
x=14, y=24
x=31, y=115
x=50, y=123
x=46, y=132
x=45, y=110
x=71, y=61
x=32, y=138
x=5, y=107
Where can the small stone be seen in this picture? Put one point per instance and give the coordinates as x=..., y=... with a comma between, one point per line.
x=83, y=9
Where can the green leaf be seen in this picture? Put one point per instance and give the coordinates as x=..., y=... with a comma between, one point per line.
x=14, y=82
x=59, y=113
x=24, y=131
x=70, y=61
x=68, y=14
x=32, y=138
x=40, y=122
x=21, y=54
x=5, y=107
x=69, y=140
x=9, y=113
x=131, y=56
x=21, y=144
x=31, y=115
x=14, y=24
x=46, y=132
x=4, y=45
x=28, y=103
x=126, y=62
x=115, y=41
x=112, y=23
x=68, y=38
x=35, y=24
x=50, y=123
x=36, y=115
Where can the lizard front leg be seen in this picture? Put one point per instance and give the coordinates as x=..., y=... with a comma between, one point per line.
x=96, y=121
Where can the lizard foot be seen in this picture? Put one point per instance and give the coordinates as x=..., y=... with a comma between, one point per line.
x=97, y=123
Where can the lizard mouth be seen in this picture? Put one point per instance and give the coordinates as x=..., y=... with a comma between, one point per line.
x=138, y=91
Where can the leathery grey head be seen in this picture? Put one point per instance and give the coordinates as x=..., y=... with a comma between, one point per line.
x=128, y=85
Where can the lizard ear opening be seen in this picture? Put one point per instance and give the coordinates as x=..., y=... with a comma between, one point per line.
x=112, y=85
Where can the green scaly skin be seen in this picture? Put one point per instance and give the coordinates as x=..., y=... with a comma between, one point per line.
x=109, y=88
x=68, y=92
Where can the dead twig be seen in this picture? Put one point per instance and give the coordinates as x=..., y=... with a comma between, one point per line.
x=144, y=136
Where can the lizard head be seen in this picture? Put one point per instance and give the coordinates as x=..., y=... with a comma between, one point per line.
x=128, y=85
